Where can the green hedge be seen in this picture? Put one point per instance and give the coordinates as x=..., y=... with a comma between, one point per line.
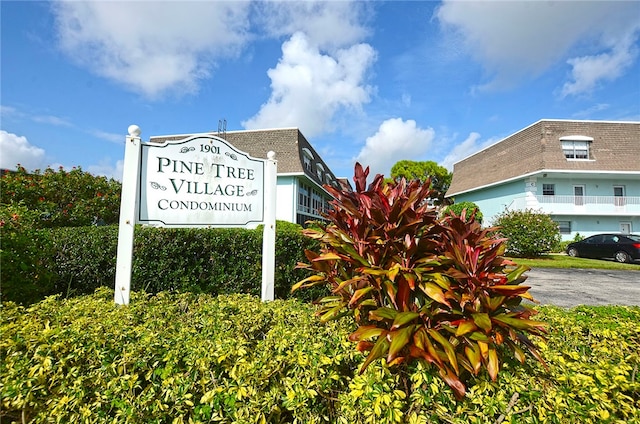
x=177, y=358
x=77, y=260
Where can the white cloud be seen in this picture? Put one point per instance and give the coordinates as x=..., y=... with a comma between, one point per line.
x=518, y=40
x=471, y=145
x=589, y=71
x=52, y=120
x=327, y=24
x=309, y=87
x=17, y=150
x=111, y=137
x=395, y=140
x=151, y=46
x=590, y=112
x=108, y=169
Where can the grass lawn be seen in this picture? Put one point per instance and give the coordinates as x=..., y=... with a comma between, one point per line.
x=564, y=261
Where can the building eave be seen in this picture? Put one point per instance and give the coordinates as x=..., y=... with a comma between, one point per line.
x=543, y=171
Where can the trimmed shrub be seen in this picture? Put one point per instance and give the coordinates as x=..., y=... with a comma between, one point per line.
x=77, y=260
x=169, y=358
x=233, y=359
x=528, y=233
x=24, y=256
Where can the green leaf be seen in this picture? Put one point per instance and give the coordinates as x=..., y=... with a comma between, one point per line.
x=329, y=299
x=314, y=279
x=329, y=256
x=366, y=332
x=382, y=314
x=379, y=350
x=358, y=294
x=440, y=280
x=473, y=355
x=465, y=327
x=393, y=272
x=482, y=320
x=345, y=283
x=333, y=313
x=493, y=366
x=478, y=336
x=399, y=340
x=374, y=271
x=447, y=346
x=434, y=292
x=518, y=353
x=352, y=252
x=403, y=318
x=390, y=290
x=519, y=323
x=495, y=302
x=514, y=276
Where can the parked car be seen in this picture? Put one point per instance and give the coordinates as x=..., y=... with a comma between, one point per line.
x=621, y=247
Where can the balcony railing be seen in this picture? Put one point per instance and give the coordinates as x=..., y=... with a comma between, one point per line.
x=580, y=205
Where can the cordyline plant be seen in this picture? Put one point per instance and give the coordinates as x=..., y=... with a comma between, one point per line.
x=419, y=287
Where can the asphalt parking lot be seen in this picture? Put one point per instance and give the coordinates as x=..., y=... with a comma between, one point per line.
x=573, y=287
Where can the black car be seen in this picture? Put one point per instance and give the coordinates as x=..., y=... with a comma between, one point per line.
x=621, y=247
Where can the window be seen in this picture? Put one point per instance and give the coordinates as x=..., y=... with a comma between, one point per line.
x=307, y=157
x=304, y=198
x=548, y=189
x=576, y=147
x=578, y=195
x=564, y=226
x=319, y=170
x=618, y=195
x=316, y=202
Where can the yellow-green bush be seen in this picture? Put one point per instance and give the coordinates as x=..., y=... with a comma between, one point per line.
x=232, y=359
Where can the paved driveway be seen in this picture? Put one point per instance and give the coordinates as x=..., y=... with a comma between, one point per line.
x=573, y=287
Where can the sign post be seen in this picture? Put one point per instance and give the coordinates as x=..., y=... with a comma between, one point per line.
x=199, y=181
x=269, y=232
x=128, y=212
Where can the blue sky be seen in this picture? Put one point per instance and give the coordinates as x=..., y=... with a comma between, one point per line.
x=374, y=82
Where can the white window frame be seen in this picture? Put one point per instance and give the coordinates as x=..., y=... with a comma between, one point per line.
x=576, y=147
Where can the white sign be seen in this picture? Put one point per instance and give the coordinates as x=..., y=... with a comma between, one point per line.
x=197, y=181
x=200, y=181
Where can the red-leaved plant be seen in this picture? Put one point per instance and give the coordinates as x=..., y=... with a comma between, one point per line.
x=419, y=287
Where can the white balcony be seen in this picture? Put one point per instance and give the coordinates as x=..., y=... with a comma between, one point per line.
x=580, y=205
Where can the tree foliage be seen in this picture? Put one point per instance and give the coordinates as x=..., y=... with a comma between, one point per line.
x=470, y=207
x=62, y=198
x=424, y=171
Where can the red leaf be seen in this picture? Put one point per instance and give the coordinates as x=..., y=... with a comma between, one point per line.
x=453, y=381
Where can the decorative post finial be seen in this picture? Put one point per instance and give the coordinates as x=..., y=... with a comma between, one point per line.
x=271, y=155
x=134, y=131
